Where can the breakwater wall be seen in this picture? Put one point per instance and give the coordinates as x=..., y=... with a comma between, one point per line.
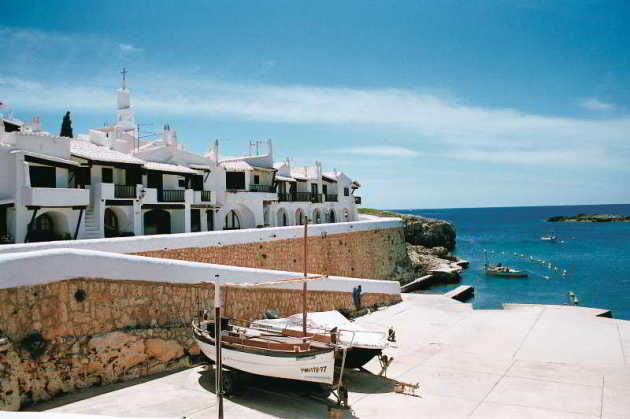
x=75, y=318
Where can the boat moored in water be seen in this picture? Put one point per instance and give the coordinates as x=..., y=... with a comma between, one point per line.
x=504, y=271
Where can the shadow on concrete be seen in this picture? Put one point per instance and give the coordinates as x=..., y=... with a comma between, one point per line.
x=89, y=392
x=273, y=396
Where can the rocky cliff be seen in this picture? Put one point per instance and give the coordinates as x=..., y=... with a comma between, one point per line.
x=428, y=244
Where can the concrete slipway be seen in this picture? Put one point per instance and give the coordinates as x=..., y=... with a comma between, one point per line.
x=527, y=361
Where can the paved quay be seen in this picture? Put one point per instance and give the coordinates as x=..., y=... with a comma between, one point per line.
x=526, y=361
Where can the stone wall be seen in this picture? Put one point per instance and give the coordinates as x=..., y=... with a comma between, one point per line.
x=59, y=337
x=362, y=254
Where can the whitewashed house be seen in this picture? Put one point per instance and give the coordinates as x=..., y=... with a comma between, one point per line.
x=110, y=183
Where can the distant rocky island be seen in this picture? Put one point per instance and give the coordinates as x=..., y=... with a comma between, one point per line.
x=590, y=218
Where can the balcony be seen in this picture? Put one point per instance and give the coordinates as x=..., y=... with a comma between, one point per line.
x=204, y=197
x=357, y=200
x=286, y=197
x=125, y=191
x=316, y=198
x=171, y=195
x=331, y=197
x=56, y=197
x=261, y=188
x=303, y=196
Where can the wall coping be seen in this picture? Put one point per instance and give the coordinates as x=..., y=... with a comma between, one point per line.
x=205, y=239
x=40, y=267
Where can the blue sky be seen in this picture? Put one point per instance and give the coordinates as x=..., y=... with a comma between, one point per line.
x=429, y=104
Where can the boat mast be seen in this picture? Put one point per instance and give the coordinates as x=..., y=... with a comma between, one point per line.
x=305, y=275
x=218, y=373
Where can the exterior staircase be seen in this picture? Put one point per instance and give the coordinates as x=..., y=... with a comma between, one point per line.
x=92, y=230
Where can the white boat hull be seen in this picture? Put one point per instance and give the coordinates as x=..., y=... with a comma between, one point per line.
x=318, y=368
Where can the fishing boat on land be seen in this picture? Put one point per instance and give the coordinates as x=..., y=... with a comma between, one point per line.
x=363, y=344
x=269, y=354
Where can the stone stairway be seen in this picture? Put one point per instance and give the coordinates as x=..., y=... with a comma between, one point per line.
x=91, y=225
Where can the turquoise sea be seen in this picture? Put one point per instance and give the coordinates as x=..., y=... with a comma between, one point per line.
x=596, y=256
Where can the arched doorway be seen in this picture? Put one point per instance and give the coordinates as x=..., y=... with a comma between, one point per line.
x=157, y=221
x=52, y=225
x=299, y=217
x=283, y=219
x=331, y=216
x=210, y=220
x=111, y=224
x=317, y=216
x=231, y=221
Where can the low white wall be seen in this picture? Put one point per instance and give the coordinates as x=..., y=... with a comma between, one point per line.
x=206, y=239
x=46, y=266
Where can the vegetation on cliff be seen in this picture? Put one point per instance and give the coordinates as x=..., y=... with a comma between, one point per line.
x=590, y=218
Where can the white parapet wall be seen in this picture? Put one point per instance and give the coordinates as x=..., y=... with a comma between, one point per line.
x=47, y=266
x=206, y=239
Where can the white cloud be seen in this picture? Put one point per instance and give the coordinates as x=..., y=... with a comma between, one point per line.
x=460, y=130
x=378, y=151
x=593, y=104
x=129, y=49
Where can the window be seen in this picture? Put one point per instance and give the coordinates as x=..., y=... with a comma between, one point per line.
x=314, y=188
x=235, y=180
x=133, y=177
x=154, y=180
x=346, y=191
x=3, y=221
x=197, y=183
x=181, y=183
x=195, y=220
x=107, y=175
x=325, y=189
x=83, y=176
x=256, y=179
x=42, y=176
x=231, y=221
x=43, y=223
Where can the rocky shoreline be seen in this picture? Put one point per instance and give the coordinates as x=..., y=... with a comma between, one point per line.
x=590, y=218
x=429, y=242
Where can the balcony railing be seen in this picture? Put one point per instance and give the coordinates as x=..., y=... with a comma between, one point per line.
x=316, y=198
x=206, y=196
x=171, y=195
x=331, y=197
x=261, y=188
x=287, y=197
x=357, y=200
x=303, y=196
x=124, y=191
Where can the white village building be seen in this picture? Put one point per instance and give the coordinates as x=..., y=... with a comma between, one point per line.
x=111, y=183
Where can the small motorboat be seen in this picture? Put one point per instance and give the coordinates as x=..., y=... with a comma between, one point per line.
x=504, y=271
x=549, y=238
x=363, y=344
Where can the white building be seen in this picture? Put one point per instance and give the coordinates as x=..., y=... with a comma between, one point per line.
x=111, y=183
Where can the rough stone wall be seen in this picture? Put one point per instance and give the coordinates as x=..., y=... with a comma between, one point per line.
x=72, y=334
x=362, y=254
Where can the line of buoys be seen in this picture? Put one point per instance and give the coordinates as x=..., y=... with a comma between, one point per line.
x=546, y=263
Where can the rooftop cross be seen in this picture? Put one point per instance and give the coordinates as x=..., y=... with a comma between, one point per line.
x=124, y=73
